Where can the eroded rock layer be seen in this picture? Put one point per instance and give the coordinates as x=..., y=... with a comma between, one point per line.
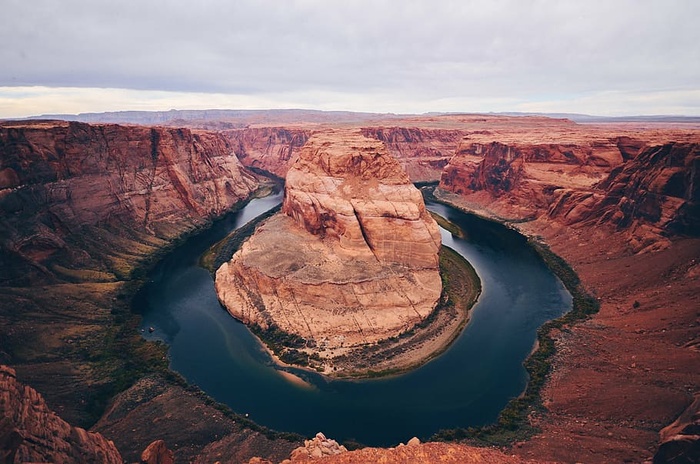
x=649, y=195
x=69, y=192
x=31, y=432
x=272, y=149
x=82, y=207
x=353, y=257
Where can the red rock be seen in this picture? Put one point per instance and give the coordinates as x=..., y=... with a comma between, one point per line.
x=157, y=453
x=422, y=152
x=272, y=149
x=61, y=179
x=30, y=432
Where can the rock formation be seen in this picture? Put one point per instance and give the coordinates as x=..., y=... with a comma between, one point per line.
x=423, y=152
x=318, y=447
x=153, y=411
x=529, y=174
x=680, y=441
x=353, y=257
x=652, y=197
x=70, y=190
x=57, y=218
x=81, y=207
x=599, y=212
x=272, y=149
x=30, y=432
x=157, y=453
x=445, y=453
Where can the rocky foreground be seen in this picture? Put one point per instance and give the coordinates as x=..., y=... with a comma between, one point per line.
x=351, y=260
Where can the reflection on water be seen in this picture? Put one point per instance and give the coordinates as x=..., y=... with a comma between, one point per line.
x=466, y=386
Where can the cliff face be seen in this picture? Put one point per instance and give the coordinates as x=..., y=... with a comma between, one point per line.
x=651, y=196
x=525, y=176
x=655, y=195
x=271, y=149
x=81, y=206
x=350, y=189
x=422, y=152
x=30, y=432
x=69, y=191
x=351, y=260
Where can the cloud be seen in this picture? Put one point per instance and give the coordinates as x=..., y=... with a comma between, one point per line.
x=415, y=52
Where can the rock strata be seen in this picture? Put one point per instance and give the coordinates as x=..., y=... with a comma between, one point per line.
x=31, y=432
x=82, y=207
x=680, y=441
x=423, y=152
x=70, y=192
x=272, y=149
x=351, y=260
x=652, y=197
x=651, y=194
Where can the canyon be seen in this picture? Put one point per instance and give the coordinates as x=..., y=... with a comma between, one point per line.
x=86, y=206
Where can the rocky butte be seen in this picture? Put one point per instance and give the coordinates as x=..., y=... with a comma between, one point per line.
x=351, y=260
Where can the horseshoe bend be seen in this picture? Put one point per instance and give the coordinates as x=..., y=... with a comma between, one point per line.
x=87, y=208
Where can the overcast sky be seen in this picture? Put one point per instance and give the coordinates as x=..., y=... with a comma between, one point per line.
x=610, y=57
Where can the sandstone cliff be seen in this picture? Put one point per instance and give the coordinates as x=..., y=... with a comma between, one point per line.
x=423, y=152
x=71, y=191
x=30, y=432
x=652, y=197
x=528, y=173
x=271, y=149
x=352, y=259
x=81, y=207
x=599, y=216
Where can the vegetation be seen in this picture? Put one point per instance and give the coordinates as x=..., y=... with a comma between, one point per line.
x=513, y=423
x=452, y=228
x=461, y=288
x=222, y=251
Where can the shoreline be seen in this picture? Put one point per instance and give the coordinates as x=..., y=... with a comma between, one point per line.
x=513, y=422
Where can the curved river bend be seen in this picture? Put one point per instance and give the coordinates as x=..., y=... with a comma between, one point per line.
x=466, y=386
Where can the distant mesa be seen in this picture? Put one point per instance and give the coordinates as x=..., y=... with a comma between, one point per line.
x=352, y=259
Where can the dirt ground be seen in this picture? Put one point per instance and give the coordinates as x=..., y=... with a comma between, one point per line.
x=633, y=368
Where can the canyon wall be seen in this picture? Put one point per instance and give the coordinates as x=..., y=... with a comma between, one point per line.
x=627, y=222
x=271, y=149
x=77, y=200
x=352, y=258
x=81, y=208
x=31, y=432
x=652, y=197
x=82, y=204
x=649, y=192
x=422, y=152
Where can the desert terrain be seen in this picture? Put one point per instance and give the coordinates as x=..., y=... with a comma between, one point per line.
x=87, y=208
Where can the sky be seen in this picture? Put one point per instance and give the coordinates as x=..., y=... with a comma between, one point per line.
x=606, y=58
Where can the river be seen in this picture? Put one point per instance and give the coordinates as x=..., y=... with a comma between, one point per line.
x=466, y=386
